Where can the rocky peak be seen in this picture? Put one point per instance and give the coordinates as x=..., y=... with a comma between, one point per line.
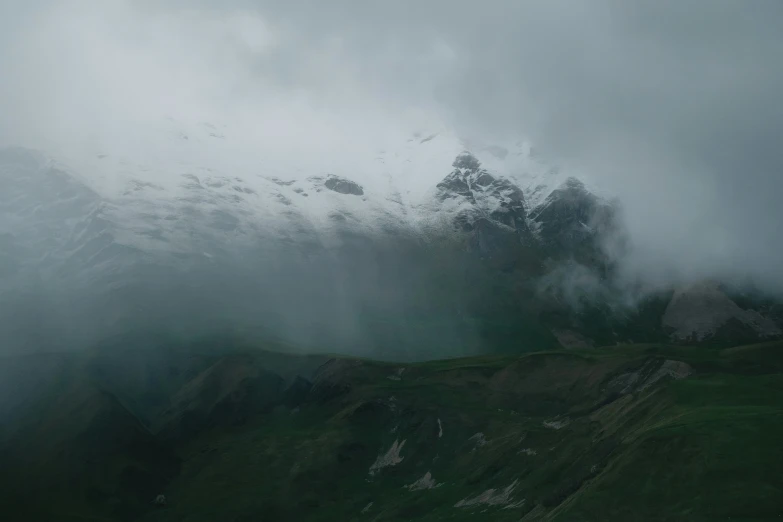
x=572, y=217
x=482, y=195
x=571, y=195
x=466, y=161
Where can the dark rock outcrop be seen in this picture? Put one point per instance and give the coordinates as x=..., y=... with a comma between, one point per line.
x=571, y=215
x=343, y=186
x=490, y=198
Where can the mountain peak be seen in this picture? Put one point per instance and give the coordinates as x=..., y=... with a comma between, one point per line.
x=467, y=161
x=471, y=193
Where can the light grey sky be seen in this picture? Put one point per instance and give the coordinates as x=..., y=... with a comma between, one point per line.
x=675, y=105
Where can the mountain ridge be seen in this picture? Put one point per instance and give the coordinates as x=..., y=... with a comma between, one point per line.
x=550, y=436
x=220, y=230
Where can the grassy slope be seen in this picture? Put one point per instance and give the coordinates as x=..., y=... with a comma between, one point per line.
x=701, y=448
x=81, y=455
x=713, y=454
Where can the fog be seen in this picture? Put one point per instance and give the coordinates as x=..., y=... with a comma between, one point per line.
x=672, y=106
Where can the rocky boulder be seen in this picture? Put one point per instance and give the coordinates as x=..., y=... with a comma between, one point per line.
x=343, y=186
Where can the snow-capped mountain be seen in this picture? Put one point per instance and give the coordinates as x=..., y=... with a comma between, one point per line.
x=118, y=240
x=197, y=186
x=470, y=193
x=58, y=218
x=304, y=240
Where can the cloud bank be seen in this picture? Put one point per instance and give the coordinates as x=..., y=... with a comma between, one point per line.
x=672, y=105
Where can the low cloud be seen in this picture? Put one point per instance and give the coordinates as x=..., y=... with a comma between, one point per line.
x=673, y=106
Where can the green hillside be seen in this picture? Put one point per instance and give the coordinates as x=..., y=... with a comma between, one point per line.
x=622, y=433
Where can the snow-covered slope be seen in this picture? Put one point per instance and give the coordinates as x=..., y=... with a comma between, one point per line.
x=471, y=193
x=201, y=228
x=177, y=191
x=54, y=225
x=195, y=221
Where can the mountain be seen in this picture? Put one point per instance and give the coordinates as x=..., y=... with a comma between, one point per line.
x=168, y=332
x=240, y=433
x=503, y=260
x=574, y=221
x=471, y=194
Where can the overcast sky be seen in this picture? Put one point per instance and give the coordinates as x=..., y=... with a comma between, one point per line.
x=675, y=105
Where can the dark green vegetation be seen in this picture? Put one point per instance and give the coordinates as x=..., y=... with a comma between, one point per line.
x=644, y=432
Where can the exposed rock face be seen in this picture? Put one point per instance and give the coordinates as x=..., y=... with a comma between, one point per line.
x=466, y=161
x=673, y=369
x=698, y=311
x=571, y=223
x=343, y=186
x=649, y=373
x=490, y=209
x=484, y=196
x=572, y=217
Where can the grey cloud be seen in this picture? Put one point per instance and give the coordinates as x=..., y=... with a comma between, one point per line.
x=673, y=105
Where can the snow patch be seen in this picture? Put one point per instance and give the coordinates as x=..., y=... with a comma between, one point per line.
x=425, y=482
x=390, y=458
x=491, y=497
x=397, y=375
x=557, y=424
x=480, y=440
